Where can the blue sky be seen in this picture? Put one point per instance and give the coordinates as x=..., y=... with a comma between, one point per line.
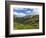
x=21, y=12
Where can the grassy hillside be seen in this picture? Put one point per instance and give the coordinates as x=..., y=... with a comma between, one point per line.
x=28, y=22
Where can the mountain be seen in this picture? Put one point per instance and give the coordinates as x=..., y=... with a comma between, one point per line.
x=27, y=19
x=27, y=22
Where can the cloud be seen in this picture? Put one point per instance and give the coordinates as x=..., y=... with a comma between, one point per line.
x=19, y=14
x=28, y=12
x=36, y=11
x=22, y=10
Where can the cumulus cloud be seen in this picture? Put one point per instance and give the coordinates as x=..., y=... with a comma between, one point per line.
x=35, y=11
x=19, y=14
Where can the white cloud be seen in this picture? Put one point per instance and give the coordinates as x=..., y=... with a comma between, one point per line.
x=28, y=12
x=36, y=11
x=19, y=14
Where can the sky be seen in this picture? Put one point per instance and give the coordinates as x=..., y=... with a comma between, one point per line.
x=21, y=12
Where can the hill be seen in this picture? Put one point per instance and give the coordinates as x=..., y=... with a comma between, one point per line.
x=27, y=22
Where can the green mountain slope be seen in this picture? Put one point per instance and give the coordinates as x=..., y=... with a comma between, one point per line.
x=27, y=22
